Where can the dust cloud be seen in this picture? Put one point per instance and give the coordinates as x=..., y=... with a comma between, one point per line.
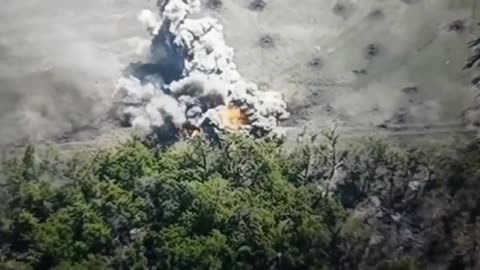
x=59, y=61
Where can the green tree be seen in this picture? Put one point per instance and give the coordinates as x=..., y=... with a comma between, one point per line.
x=242, y=204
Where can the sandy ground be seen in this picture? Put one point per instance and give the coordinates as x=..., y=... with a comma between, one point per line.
x=315, y=47
x=60, y=58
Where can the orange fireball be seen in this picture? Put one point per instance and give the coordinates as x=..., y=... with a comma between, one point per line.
x=233, y=118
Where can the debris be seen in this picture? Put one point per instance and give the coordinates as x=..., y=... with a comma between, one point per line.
x=372, y=50
x=457, y=26
x=360, y=71
x=315, y=62
x=214, y=4
x=257, y=5
x=343, y=9
x=266, y=41
x=328, y=108
x=410, y=89
x=339, y=9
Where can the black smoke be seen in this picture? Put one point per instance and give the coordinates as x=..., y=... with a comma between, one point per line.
x=166, y=61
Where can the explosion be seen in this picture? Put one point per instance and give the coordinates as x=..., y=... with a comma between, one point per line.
x=191, y=80
x=190, y=131
x=233, y=118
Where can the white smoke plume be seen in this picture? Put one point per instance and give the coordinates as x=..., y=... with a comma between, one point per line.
x=191, y=77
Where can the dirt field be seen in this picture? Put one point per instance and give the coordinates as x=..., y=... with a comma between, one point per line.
x=362, y=63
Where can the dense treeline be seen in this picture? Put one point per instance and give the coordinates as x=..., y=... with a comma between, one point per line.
x=243, y=204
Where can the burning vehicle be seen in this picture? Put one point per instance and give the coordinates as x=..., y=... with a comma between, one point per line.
x=192, y=81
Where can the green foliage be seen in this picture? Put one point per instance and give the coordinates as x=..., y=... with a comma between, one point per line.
x=243, y=204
